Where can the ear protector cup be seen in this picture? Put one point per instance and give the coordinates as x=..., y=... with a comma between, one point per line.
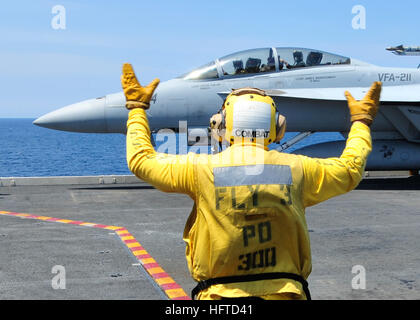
x=280, y=127
x=217, y=126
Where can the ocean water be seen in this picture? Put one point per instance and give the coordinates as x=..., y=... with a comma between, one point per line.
x=30, y=151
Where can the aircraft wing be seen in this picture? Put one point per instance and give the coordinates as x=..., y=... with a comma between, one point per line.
x=405, y=93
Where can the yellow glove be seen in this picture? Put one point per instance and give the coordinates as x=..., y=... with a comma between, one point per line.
x=136, y=96
x=365, y=110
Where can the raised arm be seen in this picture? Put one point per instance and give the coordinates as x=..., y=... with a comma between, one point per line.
x=326, y=178
x=170, y=173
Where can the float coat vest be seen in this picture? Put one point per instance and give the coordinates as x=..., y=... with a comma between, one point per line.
x=249, y=220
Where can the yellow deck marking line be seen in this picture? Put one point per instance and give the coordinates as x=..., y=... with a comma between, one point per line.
x=163, y=280
x=148, y=260
x=64, y=221
x=139, y=252
x=112, y=228
x=175, y=294
x=133, y=245
x=127, y=238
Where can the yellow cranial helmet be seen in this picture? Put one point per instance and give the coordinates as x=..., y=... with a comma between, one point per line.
x=249, y=115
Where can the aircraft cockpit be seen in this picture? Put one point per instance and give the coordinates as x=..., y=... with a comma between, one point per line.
x=265, y=60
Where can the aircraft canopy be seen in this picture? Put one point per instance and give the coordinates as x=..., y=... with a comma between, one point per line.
x=264, y=60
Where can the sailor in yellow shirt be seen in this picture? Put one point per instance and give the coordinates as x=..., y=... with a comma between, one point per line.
x=246, y=236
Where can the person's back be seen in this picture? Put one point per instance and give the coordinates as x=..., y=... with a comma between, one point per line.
x=249, y=219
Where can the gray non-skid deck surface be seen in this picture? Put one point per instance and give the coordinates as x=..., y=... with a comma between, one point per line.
x=376, y=226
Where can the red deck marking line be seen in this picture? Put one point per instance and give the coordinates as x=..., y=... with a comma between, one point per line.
x=130, y=241
x=182, y=298
x=76, y=222
x=172, y=290
x=102, y=226
x=143, y=256
x=32, y=217
x=10, y=213
x=168, y=286
x=160, y=275
x=151, y=265
x=52, y=219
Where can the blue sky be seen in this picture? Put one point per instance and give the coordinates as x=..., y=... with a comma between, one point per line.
x=42, y=69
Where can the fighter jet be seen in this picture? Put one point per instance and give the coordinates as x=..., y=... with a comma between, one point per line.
x=404, y=51
x=307, y=85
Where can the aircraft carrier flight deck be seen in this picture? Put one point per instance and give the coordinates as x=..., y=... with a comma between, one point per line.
x=116, y=237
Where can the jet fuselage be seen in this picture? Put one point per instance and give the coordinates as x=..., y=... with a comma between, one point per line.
x=311, y=97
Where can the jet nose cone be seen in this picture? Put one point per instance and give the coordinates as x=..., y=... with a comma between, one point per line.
x=85, y=116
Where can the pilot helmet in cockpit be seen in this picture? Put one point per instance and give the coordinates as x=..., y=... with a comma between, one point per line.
x=298, y=56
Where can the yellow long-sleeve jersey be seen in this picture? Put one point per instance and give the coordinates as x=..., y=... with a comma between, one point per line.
x=249, y=207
